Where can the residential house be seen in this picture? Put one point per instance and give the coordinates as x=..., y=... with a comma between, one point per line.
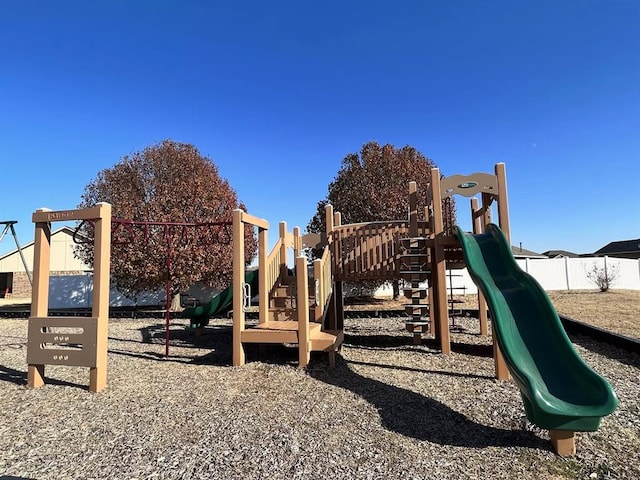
x=14, y=281
x=620, y=249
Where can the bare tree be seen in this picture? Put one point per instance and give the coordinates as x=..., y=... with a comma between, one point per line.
x=603, y=276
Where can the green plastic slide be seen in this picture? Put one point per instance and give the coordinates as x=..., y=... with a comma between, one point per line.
x=559, y=390
x=219, y=304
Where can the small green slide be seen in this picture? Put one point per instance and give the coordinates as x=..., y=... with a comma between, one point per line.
x=219, y=304
x=559, y=390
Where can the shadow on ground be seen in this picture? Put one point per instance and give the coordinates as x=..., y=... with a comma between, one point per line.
x=19, y=377
x=417, y=416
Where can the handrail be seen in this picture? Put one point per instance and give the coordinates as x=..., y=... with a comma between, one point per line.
x=276, y=262
x=368, y=251
x=324, y=283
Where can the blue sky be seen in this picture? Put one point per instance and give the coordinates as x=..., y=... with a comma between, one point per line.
x=277, y=93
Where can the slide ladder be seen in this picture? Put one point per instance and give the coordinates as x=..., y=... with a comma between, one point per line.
x=414, y=269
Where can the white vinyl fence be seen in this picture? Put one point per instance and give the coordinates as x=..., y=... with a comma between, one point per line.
x=554, y=274
x=563, y=273
x=74, y=291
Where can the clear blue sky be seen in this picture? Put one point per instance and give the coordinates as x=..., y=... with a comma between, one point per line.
x=278, y=92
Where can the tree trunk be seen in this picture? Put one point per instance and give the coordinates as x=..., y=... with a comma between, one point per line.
x=396, y=289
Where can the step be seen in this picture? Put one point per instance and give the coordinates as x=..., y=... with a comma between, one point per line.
x=277, y=332
x=328, y=340
x=411, y=263
x=416, y=323
x=414, y=242
x=414, y=255
x=288, y=314
x=415, y=276
x=415, y=293
x=284, y=291
x=411, y=309
x=282, y=302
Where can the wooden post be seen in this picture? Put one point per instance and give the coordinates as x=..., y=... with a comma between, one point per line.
x=564, y=442
x=502, y=372
x=282, y=231
x=238, y=287
x=338, y=286
x=439, y=267
x=40, y=291
x=100, y=307
x=328, y=219
x=302, y=301
x=263, y=299
x=413, y=209
x=297, y=242
x=319, y=293
x=482, y=302
x=503, y=203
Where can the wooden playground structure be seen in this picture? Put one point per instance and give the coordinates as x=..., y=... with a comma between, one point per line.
x=303, y=305
x=310, y=313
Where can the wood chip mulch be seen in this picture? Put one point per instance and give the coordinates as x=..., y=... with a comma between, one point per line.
x=390, y=409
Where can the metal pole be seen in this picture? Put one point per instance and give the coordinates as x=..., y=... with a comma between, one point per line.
x=9, y=226
x=167, y=303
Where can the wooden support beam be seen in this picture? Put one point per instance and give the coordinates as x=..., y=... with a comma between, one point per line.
x=476, y=215
x=439, y=279
x=100, y=307
x=564, y=442
x=238, y=287
x=302, y=302
x=263, y=286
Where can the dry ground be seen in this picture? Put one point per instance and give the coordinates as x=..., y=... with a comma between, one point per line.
x=390, y=409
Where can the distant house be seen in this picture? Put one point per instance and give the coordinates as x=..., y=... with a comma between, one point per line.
x=519, y=252
x=14, y=281
x=560, y=254
x=620, y=249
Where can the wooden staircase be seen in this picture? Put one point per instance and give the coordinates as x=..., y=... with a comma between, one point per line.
x=414, y=269
x=292, y=320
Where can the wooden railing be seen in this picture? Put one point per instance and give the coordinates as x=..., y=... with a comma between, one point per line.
x=369, y=251
x=276, y=264
x=323, y=282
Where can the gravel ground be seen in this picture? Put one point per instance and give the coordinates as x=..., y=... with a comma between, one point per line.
x=388, y=410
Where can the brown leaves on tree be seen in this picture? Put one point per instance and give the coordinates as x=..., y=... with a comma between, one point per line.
x=374, y=185
x=168, y=182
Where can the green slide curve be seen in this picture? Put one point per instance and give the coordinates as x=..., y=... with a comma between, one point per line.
x=219, y=304
x=559, y=390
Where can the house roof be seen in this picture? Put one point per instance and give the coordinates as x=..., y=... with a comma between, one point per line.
x=560, y=253
x=620, y=247
x=519, y=252
x=66, y=230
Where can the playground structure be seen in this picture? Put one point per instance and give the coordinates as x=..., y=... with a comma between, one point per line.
x=303, y=306
x=416, y=249
x=561, y=400
x=289, y=310
x=72, y=341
